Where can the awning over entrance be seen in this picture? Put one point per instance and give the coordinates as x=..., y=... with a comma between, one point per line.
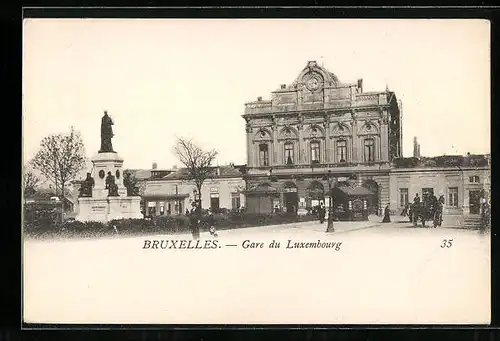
x=358, y=190
x=262, y=189
x=167, y=197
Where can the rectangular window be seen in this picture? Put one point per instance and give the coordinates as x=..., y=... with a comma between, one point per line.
x=235, y=201
x=315, y=157
x=474, y=179
x=342, y=150
x=453, y=196
x=403, y=197
x=263, y=155
x=289, y=153
x=369, y=150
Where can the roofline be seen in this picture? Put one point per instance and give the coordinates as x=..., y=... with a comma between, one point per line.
x=184, y=179
x=316, y=111
x=435, y=169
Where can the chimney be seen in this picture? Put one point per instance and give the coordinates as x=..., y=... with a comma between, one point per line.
x=155, y=165
x=415, y=147
x=360, y=84
x=283, y=86
x=259, y=98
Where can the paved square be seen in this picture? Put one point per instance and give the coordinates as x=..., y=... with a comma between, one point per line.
x=381, y=274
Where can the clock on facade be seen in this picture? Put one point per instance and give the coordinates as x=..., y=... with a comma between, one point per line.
x=313, y=83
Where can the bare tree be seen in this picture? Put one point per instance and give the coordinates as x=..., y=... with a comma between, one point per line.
x=198, y=162
x=60, y=158
x=30, y=180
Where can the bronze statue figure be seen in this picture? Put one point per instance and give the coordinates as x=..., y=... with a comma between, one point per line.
x=106, y=134
x=111, y=186
x=86, y=186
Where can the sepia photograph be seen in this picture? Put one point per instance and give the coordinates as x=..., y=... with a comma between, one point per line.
x=256, y=171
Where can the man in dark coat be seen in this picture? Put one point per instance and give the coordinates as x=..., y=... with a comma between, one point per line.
x=321, y=213
x=211, y=223
x=194, y=220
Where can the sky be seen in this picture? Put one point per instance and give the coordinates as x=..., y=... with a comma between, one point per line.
x=161, y=79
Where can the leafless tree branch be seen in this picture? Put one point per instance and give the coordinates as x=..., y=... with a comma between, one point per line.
x=60, y=158
x=30, y=180
x=198, y=162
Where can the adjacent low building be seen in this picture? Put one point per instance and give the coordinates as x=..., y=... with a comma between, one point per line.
x=174, y=193
x=464, y=181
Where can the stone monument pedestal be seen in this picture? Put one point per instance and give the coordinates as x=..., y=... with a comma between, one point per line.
x=101, y=207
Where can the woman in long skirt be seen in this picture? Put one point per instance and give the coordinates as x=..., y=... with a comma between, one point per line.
x=387, y=215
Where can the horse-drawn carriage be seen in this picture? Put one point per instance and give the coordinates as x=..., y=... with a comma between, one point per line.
x=429, y=209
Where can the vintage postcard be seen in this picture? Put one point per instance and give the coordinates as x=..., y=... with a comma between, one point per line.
x=205, y=171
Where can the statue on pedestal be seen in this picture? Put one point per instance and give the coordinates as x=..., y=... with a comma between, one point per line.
x=106, y=134
x=111, y=186
x=86, y=186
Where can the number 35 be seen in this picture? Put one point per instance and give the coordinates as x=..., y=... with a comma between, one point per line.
x=447, y=243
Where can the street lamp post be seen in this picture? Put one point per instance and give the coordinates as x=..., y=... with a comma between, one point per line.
x=329, y=227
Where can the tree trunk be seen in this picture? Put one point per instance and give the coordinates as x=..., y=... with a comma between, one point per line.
x=199, y=196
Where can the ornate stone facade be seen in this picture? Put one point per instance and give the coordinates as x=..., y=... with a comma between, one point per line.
x=318, y=124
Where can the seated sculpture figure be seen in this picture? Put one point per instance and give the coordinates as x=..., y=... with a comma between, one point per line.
x=86, y=186
x=111, y=186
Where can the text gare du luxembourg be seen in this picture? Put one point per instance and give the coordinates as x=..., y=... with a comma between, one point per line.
x=180, y=244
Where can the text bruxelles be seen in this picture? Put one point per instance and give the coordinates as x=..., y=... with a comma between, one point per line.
x=180, y=244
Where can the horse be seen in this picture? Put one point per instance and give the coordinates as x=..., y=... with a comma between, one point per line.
x=424, y=211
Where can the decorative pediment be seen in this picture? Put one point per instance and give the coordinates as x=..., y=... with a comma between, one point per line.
x=263, y=134
x=315, y=76
x=369, y=128
x=288, y=133
x=314, y=131
x=341, y=129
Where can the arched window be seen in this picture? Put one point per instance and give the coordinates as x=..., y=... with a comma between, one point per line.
x=342, y=150
x=369, y=150
x=289, y=160
x=263, y=155
x=315, y=152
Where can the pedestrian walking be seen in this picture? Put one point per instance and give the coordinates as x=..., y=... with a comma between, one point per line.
x=405, y=210
x=321, y=213
x=387, y=215
x=211, y=224
x=194, y=221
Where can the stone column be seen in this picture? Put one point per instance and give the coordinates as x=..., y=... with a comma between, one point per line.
x=300, y=145
x=249, y=145
x=327, y=150
x=331, y=149
x=274, y=146
x=384, y=138
x=354, y=140
x=158, y=205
